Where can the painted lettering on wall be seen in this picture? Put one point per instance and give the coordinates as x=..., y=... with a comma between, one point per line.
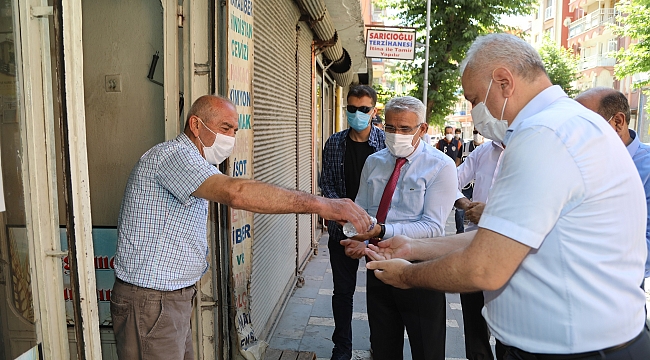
x=240, y=97
x=241, y=234
x=239, y=168
x=240, y=26
x=245, y=6
x=239, y=49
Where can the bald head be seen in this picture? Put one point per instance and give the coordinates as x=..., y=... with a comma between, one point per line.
x=210, y=107
x=491, y=51
x=607, y=102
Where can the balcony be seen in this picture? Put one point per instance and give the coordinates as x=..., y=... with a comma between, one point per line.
x=591, y=62
x=591, y=21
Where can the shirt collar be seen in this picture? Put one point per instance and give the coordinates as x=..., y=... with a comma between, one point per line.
x=537, y=104
x=185, y=140
x=634, y=145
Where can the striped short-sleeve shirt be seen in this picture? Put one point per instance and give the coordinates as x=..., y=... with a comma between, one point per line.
x=162, y=228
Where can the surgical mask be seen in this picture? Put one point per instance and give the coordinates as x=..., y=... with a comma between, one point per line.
x=400, y=145
x=487, y=124
x=449, y=137
x=478, y=138
x=457, y=136
x=359, y=121
x=220, y=149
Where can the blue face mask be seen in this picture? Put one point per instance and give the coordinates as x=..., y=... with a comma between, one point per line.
x=359, y=121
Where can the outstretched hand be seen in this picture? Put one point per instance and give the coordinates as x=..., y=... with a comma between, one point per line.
x=344, y=210
x=354, y=249
x=474, y=211
x=390, y=272
x=396, y=247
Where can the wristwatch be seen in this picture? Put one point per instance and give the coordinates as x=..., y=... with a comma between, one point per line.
x=382, y=232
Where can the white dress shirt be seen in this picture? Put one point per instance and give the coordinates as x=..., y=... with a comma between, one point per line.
x=425, y=193
x=480, y=166
x=567, y=188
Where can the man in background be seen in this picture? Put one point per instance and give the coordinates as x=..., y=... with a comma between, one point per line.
x=344, y=155
x=613, y=106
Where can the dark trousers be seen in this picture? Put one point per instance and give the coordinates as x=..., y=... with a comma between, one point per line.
x=460, y=218
x=477, y=336
x=422, y=312
x=344, y=274
x=637, y=349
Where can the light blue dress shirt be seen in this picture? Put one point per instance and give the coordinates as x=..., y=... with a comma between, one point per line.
x=640, y=154
x=567, y=189
x=161, y=232
x=425, y=193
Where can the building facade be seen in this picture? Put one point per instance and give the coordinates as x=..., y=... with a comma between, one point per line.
x=88, y=86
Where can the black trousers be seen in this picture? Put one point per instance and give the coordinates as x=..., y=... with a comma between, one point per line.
x=422, y=312
x=477, y=336
x=638, y=349
x=344, y=275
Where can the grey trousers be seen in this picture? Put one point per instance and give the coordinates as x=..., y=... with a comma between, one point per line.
x=151, y=324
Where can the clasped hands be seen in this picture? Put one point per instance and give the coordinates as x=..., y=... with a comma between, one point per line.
x=389, y=258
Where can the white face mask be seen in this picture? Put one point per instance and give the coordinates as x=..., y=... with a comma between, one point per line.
x=487, y=124
x=457, y=136
x=400, y=145
x=449, y=137
x=220, y=149
x=478, y=138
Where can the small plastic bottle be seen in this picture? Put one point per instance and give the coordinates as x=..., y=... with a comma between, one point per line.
x=349, y=230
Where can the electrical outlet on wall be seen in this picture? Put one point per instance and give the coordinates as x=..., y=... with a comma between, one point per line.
x=113, y=83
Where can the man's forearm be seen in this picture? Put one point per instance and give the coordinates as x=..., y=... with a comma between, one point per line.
x=260, y=197
x=433, y=248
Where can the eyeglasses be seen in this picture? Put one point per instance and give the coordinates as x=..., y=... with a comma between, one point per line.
x=363, y=109
x=401, y=130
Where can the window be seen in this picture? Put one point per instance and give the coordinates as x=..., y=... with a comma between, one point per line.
x=536, y=38
x=612, y=45
x=548, y=12
x=550, y=32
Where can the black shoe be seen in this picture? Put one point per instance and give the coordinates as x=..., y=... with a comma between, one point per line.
x=340, y=355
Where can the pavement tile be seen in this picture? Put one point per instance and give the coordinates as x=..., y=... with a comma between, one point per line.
x=284, y=343
x=322, y=306
x=318, y=339
x=306, y=292
x=324, y=321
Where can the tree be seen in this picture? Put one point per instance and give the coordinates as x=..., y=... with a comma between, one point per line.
x=383, y=93
x=454, y=26
x=633, y=23
x=561, y=65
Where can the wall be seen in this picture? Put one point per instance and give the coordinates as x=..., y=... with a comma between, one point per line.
x=120, y=37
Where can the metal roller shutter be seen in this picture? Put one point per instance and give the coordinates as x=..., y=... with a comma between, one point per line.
x=274, y=154
x=305, y=156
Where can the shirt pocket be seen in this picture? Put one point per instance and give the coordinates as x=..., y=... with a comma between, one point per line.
x=411, y=202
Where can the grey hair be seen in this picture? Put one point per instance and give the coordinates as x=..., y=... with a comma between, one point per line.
x=493, y=50
x=407, y=103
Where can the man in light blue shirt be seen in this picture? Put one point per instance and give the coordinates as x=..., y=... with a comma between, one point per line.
x=613, y=106
x=560, y=250
x=425, y=190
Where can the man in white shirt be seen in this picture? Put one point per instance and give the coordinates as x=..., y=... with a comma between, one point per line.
x=479, y=167
x=560, y=249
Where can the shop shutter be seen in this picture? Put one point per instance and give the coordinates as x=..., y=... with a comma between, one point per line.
x=305, y=155
x=274, y=154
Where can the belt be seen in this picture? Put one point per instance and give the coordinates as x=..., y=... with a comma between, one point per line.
x=118, y=280
x=524, y=355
